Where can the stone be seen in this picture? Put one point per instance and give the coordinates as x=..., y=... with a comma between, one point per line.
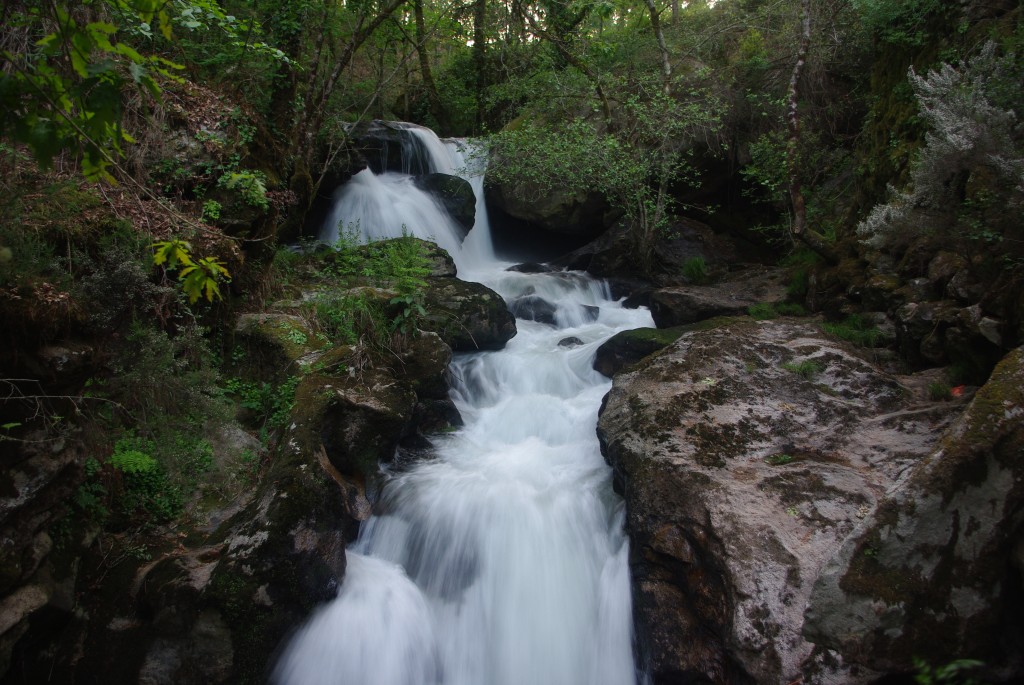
x=359, y=420
x=943, y=267
x=467, y=316
x=453, y=193
x=275, y=342
x=692, y=303
x=629, y=347
x=878, y=292
x=742, y=479
x=965, y=287
x=579, y=214
x=533, y=308
x=571, y=341
x=531, y=268
x=920, y=329
x=425, y=365
x=925, y=575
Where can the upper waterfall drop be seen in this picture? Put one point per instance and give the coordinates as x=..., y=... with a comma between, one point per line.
x=377, y=206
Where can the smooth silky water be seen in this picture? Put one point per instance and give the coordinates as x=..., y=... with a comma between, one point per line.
x=502, y=559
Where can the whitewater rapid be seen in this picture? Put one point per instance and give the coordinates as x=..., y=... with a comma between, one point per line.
x=502, y=559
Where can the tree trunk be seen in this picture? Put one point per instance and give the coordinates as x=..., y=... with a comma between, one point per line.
x=666, y=65
x=800, y=230
x=436, y=106
x=480, y=59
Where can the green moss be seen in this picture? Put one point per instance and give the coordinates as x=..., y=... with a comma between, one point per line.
x=856, y=330
x=806, y=369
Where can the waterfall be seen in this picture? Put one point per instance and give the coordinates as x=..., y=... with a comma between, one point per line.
x=502, y=560
x=386, y=205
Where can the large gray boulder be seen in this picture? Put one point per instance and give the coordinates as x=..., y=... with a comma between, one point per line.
x=748, y=452
x=578, y=214
x=934, y=571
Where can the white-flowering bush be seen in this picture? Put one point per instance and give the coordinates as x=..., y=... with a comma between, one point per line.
x=974, y=126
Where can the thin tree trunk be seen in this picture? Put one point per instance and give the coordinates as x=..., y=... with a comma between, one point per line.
x=480, y=59
x=316, y=99
x=436, y=106
x=800, y=229
x=666, y=65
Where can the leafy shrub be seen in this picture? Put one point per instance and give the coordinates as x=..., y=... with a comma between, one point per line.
x=156, y=373
x=251, y=185
x=900, y=22
x=973, y=131
x=937, y=390
x=91, y=496
x=271, y=404
x=953, y=673
x=211, y=210
x=790, y=309
x=762, y=311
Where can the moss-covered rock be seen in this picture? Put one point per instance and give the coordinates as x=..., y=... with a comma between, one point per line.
x=629, y=347
x=933, y=573
x=275, y=344
x=467, y=316
x=357, y=419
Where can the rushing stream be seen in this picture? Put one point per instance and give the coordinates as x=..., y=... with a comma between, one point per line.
x=502, y=560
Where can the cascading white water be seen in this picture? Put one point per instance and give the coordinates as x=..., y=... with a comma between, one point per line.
x=502, y=560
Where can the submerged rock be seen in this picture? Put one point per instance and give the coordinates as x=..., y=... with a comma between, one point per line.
x=533, y=308
x=748, y=452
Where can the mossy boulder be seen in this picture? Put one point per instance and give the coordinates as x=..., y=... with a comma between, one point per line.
x=467, y=316
x=577, y=213
x=275, y=344
x=628, y=347
x=357, y=419
x=747, y=452
x=934, y=571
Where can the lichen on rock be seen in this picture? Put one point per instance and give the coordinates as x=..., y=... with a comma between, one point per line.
x=742, y=479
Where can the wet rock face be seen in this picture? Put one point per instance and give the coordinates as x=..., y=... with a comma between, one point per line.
x=747, y=453
x=934, y=571
x=453, y=193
